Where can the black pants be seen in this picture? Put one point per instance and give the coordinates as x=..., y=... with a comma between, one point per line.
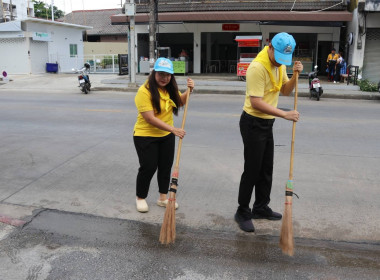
x=331, y=70
x=155, y=153
x=258, y=142
x=337, y=73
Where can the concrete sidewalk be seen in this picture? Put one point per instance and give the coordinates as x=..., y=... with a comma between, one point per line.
x=205, y=83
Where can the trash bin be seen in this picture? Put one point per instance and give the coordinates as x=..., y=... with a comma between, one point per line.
x=123, y=64
x=52, y=67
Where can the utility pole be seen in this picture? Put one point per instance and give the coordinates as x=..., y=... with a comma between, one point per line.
x=2, y=8
x=152, y=32
x=130, y=10
x=52, y=10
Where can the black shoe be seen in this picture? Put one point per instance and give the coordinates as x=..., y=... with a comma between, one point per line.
x=245, y=223
x=266, y=213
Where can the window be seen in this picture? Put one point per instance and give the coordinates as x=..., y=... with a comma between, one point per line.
x=73, y=50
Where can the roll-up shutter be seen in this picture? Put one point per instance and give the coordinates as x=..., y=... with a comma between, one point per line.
x=371, y=65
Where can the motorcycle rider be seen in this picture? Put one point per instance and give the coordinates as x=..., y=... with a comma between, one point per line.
x=86, y=71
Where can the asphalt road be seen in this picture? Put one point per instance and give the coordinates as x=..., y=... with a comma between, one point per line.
x=74, y=153
x=58, y=245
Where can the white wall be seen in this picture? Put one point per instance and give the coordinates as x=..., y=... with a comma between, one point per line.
x=59, y=46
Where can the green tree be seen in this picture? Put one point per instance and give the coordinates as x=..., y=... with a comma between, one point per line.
x=42, y=10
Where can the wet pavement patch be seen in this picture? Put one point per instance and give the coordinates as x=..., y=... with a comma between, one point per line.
x=62, y=245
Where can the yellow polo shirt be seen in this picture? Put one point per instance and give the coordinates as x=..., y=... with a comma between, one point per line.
x=259, y=85
x=143, y=101
x=332, y=57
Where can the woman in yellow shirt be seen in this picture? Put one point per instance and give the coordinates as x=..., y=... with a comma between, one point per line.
x=154, y=134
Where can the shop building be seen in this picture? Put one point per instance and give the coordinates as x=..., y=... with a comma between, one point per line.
x=363, y=39
x=27, y=45
x=206, y=31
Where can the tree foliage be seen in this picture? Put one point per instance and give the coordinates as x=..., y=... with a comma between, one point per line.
x=43, y=10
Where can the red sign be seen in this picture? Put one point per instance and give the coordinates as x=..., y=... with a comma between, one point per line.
x=242, y=68
x=230, y=27
x=249, y=43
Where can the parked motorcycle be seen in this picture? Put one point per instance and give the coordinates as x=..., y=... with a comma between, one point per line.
x=84, y=78
x=315, y=87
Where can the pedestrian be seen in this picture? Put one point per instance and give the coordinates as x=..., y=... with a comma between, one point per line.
x=154, y=134
x=338, y=67
x=331, y=61
x=266, y=78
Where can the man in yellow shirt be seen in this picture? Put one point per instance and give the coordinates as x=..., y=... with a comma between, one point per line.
x=266, y=78
x=332, y=58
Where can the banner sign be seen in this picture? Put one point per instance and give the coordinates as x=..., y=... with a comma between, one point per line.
x=249, y=43
x=230, y=27
x=40, y=36
x=179, y=67
x=242, y=68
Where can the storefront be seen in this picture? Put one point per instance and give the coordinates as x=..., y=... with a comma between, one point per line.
x=178, y=47
x=208, y=37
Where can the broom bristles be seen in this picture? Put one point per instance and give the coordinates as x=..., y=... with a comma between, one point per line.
x=286, y=237
x=167, y=234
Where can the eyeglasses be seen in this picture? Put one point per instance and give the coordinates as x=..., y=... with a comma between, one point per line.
x=163, y=74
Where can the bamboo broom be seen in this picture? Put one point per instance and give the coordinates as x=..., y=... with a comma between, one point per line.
x=168, y=233
x=286, y=237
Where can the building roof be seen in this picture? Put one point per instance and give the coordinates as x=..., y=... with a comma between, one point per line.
x=241, y=11
x=142, y=6
x=231, y=17
x=44, y=21
x=15, y=25
x=100, y=20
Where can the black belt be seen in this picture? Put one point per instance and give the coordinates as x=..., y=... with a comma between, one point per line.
x=260, y=120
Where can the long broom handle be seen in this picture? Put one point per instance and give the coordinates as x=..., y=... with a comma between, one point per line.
x=182, y=126
x=293, y=130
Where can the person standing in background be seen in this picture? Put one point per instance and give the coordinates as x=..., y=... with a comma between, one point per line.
x=331, y=62
x=339, y=65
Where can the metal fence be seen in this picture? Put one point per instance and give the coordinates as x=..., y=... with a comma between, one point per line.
x=100, y=63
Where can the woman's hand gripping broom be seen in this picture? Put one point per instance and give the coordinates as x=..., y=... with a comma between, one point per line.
x=168, y=234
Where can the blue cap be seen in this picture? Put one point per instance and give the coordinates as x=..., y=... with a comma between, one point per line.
x=283, y=45
x=163, y=65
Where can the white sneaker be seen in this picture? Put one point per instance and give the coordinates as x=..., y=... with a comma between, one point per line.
x=141, y=205
x=334, y=82
x=163, y=203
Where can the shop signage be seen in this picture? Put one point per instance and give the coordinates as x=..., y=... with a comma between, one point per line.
x=242, y=68
x=249, y=43
x=179, y=67
x=40, y=36
x=230, y=27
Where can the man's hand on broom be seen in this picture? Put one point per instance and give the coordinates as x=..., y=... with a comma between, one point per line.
x=297, y=66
